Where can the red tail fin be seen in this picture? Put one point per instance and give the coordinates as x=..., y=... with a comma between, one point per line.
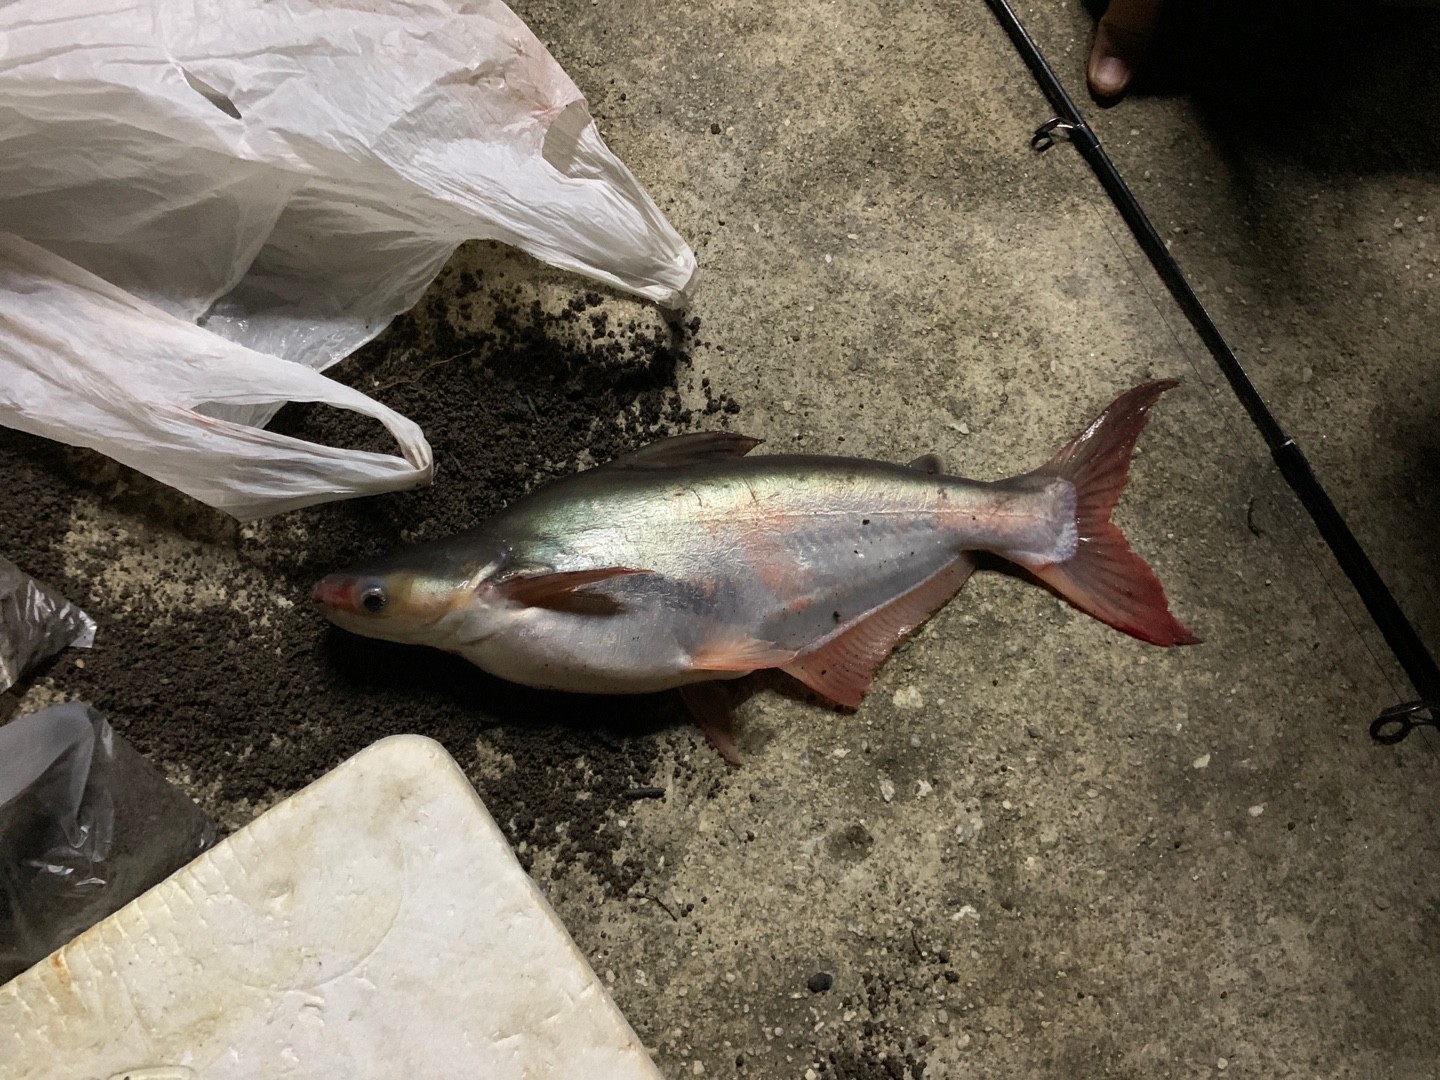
x=1104, y=577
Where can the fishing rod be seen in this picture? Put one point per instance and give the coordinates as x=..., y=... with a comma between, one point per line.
x=1395, y=723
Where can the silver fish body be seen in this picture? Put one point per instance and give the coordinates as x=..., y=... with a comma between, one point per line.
x=781, y=550
x=687, y=562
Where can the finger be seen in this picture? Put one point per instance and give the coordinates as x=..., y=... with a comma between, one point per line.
x=1120, y=43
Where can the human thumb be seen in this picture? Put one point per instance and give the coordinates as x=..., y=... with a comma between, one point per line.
x=1121, y=39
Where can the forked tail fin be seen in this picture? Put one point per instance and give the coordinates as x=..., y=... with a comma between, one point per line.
x=1104, y=577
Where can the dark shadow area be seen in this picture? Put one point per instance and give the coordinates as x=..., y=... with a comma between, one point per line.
x=1339, y=87
x=1409, y=442
x=429, y=681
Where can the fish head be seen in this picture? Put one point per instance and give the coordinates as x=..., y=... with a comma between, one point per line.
x=428, y=594
x=405, y=605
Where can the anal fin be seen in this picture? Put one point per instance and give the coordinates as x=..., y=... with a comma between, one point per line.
x=709, y=703
x=843, y=665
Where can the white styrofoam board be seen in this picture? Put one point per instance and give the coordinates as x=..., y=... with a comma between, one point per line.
x=374, y=925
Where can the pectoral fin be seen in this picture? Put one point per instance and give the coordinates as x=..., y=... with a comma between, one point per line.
x=842, y=666
x=563, y=591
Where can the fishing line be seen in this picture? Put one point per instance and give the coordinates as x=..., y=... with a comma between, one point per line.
x=1392, y=724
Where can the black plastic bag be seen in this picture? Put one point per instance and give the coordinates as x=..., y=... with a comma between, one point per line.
x=86, y=825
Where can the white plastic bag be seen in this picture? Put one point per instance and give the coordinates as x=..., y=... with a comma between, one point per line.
x=291, y=175
x=86, y=363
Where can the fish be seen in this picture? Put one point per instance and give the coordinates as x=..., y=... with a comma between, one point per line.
x=688, y=563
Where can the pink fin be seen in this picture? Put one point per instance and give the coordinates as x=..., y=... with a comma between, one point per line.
x=843, y=665
x=689, y=449
x=709, y=703
x=1104, y=577
x=560, y=591
x=735, y=652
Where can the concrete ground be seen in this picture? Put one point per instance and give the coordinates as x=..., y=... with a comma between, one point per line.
x=1039, y=848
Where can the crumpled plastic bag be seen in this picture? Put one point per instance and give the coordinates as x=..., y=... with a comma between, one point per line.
x=35, y=623
x=62, y=377
x=86, y=825
x=290, y=176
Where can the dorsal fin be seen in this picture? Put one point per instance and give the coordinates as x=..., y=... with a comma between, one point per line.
x=691, y=449
x=929, y=463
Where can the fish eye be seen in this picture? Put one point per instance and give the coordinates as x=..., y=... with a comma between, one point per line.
x=373, y=599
